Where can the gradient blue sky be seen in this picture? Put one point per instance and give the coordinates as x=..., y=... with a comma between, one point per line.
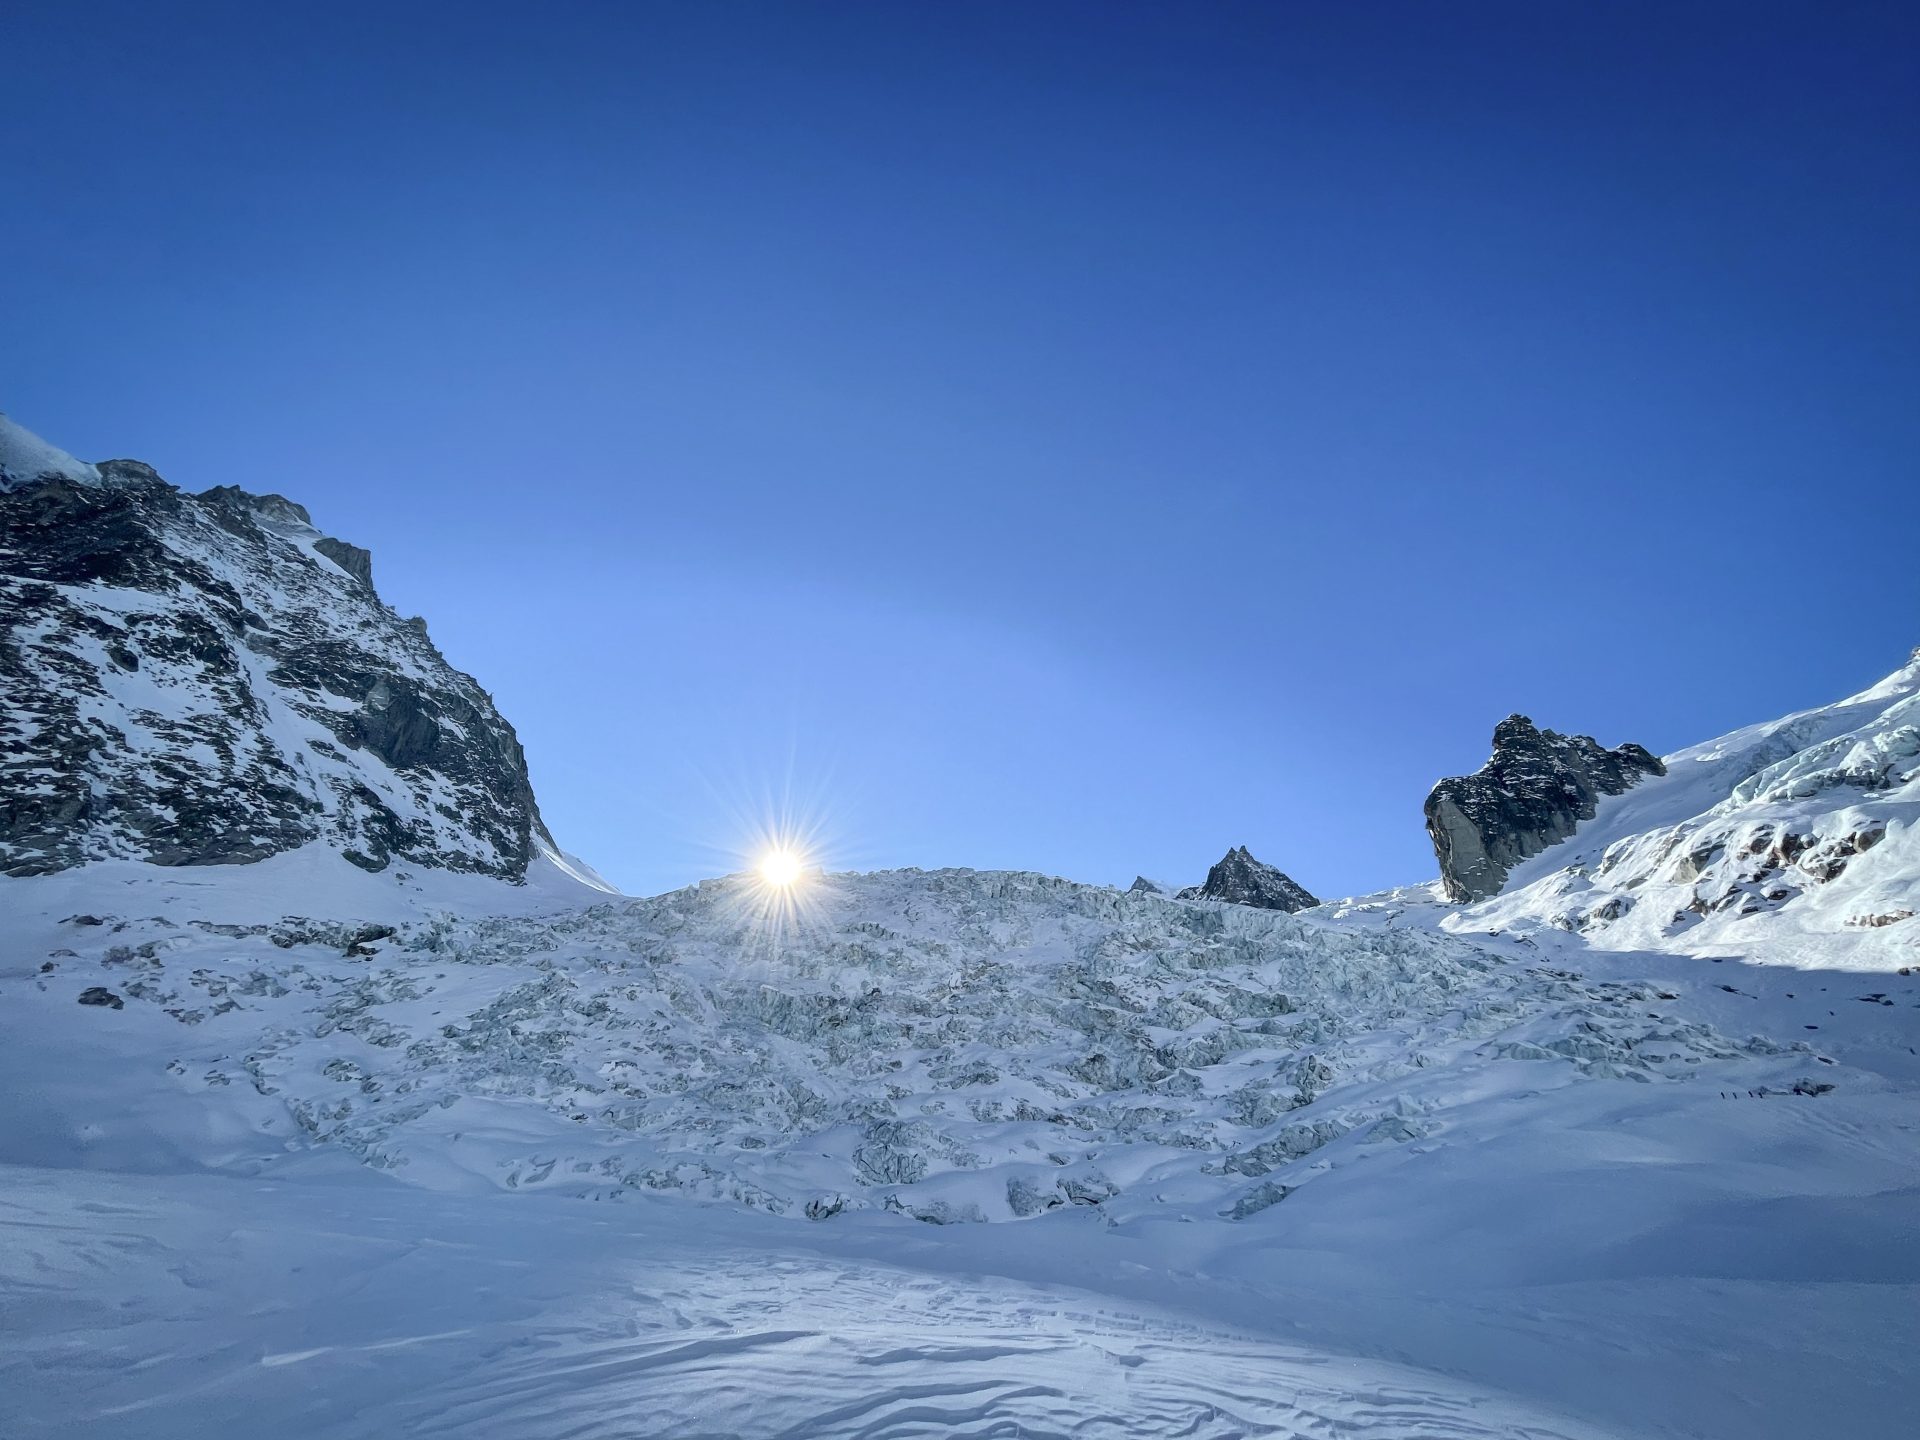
x=1077, y=437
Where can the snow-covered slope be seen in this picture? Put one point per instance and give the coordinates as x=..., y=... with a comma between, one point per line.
x=1797, y=841
x=25, y=458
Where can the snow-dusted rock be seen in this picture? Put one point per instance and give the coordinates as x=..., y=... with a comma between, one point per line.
x=207, y=679
x=1239, y=879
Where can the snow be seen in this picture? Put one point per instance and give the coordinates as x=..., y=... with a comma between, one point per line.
x=313, y=878
x=1702, y=776
x=984, y=1153
x=375, y=1310
x=25, y=456
x=1503, y=1169
x=551, y=857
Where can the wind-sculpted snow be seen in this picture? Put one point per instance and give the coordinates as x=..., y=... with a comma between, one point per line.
x=377, y=1311
x=953, y=1045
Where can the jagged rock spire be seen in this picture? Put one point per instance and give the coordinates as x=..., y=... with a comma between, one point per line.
x=1239, y=879
x=1537, y=786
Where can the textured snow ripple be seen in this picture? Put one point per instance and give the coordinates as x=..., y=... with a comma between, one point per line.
x=801, y=1352
x=364, y=1311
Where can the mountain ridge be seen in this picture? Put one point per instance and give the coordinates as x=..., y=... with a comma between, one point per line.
x=196, y=679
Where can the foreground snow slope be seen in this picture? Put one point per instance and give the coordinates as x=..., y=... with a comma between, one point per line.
x=368, y=1313
x=195, y=1306
x=1337, y=1173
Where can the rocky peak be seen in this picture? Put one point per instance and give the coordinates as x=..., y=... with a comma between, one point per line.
x=1537, y=786
x=1239, y=879
x=351, y=558
x=1515, y=730
x=207, y=679
x=279, y=513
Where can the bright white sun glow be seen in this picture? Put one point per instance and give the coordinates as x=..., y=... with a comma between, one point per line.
x=780, y=867
x=779, y=885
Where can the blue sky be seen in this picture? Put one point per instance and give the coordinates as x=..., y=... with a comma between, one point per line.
x=1078, y=438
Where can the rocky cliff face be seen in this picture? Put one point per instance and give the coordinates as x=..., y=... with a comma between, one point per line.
x=1239, y=879
x=1531, y=794
x=208, y=680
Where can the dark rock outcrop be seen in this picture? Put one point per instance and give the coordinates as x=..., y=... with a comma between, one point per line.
x=1239, y=879
x=1535, y=789
x=192, y=680
x=350, y=558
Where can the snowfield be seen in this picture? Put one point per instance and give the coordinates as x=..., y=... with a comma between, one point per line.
x=370, y=1311
x=296, y=1149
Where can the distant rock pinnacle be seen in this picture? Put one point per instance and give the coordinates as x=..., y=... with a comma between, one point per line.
x=1239, y=879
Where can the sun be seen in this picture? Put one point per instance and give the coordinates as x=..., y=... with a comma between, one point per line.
x=780, y=868
x=784, y=896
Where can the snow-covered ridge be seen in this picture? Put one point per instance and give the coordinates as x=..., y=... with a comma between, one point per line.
x=1758, y=842
x=25, y=457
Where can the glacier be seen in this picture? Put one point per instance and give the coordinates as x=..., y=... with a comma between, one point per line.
x=399, y=1121
x=964, y=1154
